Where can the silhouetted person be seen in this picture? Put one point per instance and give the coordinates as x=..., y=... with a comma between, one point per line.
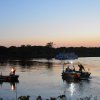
x=67, y=69
x=12, y=71
x=81, y=67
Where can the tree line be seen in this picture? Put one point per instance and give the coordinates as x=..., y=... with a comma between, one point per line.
x=47, y=51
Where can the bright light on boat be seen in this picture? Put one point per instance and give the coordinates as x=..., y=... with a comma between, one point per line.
x=71, y=61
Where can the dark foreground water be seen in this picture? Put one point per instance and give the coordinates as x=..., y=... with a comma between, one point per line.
x=43, y=77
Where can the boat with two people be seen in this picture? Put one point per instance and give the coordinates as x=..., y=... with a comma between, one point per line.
x=75, y=72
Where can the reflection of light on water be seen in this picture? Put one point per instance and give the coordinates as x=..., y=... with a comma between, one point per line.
x=13, y=87
x=72, y=88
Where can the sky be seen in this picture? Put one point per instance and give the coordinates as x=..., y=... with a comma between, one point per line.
x=68, y=23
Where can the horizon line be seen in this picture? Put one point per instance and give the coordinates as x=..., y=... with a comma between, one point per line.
x=53, y=46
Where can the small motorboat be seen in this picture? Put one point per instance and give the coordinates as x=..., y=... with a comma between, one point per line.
x=75, y=75
x=9, y=78
x=71, y=74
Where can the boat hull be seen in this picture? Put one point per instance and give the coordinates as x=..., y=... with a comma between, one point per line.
x=9, y=78
x=75, y=75
x=85, y=75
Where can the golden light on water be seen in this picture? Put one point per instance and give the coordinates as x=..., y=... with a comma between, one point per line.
x=72, y=88
x=13, y=87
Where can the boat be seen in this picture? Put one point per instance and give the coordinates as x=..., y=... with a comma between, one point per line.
x=12, y=77
x=70, y=73
x=9, y=78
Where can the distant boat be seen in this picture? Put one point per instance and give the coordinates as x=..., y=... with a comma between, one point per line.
x=66, y=56
x=9, y=78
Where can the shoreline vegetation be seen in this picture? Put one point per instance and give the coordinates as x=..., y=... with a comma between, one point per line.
x=61, y=97
x=29, y=52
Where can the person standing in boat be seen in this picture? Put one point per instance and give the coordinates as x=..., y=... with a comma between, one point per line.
x=81, y=67
x=12, y=71
x=67, y=69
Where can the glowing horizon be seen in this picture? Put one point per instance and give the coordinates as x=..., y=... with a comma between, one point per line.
x=65, y=23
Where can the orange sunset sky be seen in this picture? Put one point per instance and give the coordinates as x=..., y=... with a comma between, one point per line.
x=69, y=23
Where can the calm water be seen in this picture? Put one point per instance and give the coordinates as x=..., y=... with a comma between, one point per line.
x=43, y=77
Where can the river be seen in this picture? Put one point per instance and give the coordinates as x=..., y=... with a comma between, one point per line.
x=43, y=77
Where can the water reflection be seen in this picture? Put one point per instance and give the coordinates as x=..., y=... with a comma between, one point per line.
x=72, y=88
x=76, y=88
x=37, y=77
x=8, y=91
x=13, y=85
x=27, y=63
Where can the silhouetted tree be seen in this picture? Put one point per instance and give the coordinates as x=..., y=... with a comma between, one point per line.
x=49, y=44
x=29, y=52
